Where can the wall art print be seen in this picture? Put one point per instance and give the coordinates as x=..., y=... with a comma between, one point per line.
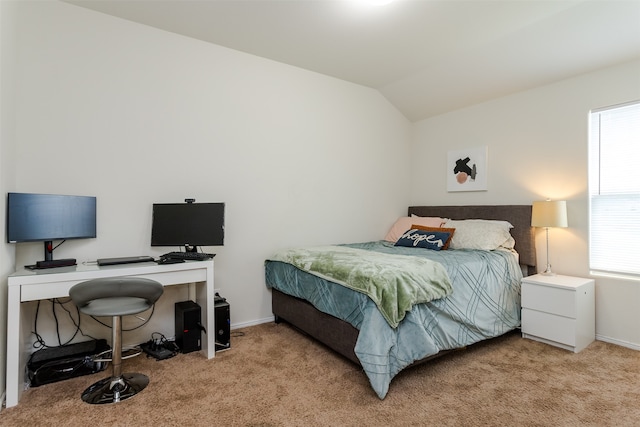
x=467, y=169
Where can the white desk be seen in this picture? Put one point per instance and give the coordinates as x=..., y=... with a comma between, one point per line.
x=28, y=285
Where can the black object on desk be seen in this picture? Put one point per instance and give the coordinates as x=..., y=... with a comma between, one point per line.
x=189, y=256
x=163, y=260
x=124, y=260
x=52, y=263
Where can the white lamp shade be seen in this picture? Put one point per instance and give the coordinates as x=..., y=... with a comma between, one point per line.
x=549, y=214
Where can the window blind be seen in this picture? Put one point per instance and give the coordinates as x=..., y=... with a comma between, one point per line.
x=614, y=189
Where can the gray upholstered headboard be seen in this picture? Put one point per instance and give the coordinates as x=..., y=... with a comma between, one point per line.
x=518, y=215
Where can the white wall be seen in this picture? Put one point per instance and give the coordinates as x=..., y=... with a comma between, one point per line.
x=135, y=115
x=537, y=143
x=7, y=170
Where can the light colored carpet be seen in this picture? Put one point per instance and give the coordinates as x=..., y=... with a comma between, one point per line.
x=275, y=376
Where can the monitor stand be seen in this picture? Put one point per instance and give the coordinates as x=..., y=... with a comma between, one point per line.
x=53, y=263
x=49, y=262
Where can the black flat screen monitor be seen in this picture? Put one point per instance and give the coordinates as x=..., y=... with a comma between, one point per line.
x=47, y=217
x=188, y=225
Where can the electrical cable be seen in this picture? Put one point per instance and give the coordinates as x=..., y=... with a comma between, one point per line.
x=161, y=340
x=153, y=309
x=56, y=246
x=73, y=320
x=40, y=342
x=55, y=317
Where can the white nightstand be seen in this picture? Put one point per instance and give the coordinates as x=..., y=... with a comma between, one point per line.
x=559, y=310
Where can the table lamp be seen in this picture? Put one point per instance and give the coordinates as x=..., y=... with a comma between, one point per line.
x=549, y=214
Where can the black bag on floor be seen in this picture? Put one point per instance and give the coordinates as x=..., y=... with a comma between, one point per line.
x=54, y=364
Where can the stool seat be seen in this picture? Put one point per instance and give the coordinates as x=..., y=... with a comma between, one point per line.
x=115, y=297
x=106, y=296
x=116, y=306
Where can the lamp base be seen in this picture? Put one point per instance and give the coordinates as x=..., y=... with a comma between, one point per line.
x=548, y=271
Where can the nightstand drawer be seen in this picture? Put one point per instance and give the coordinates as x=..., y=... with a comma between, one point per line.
x=549, y=326
x=549, y=299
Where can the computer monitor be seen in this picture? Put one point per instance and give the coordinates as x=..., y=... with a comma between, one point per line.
x=187, y=225
x=48, y=217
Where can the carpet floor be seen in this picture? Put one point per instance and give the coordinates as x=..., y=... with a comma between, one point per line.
x=275, y=376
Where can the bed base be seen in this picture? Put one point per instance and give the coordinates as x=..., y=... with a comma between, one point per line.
x=335, y=333
x=338, y=335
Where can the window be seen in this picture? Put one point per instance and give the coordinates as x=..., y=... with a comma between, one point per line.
x=614, y=189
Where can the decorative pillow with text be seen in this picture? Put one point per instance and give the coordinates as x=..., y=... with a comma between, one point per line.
x=435, y=240
x=402, y=224
x=438, y=230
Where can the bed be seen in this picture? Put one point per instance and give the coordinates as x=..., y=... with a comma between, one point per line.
x=359, y=327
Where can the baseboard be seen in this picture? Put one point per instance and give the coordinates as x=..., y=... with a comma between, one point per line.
x=610, y=340
x=622, y=343
x=251, y=323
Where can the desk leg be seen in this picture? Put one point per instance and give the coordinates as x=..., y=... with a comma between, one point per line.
x=204, y=298
x=16, y=357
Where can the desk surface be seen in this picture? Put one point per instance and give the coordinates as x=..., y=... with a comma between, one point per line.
x=55, y=282
x=25, y=276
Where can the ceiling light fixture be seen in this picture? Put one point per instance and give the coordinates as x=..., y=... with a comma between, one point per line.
x=374, y=2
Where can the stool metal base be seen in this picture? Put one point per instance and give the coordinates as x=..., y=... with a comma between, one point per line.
x=115, y=389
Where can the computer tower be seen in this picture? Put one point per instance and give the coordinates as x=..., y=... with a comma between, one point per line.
x=188, y=326
x=223, y=324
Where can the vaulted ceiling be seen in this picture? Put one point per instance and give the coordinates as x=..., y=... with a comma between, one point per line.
x=427, y=57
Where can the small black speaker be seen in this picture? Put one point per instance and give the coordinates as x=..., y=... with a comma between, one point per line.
x=188, y=326
x=223, y=324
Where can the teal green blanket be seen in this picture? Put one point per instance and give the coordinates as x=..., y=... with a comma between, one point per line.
x=395, y=283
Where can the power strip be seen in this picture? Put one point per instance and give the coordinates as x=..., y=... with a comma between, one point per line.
x=159, y=351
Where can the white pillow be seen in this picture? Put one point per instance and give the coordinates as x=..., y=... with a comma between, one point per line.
x=480, y=234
